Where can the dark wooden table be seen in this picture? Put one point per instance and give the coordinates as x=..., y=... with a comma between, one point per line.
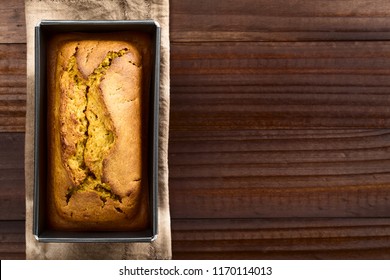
x=280, y=122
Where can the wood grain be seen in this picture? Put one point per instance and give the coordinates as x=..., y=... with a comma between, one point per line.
x=12, y=240
x=243, y=74
x=281, y=238
x=296, y=173
x=280, y=85
x=12, y=87
x=12, y=191
x=269, y=20
x=12, y=22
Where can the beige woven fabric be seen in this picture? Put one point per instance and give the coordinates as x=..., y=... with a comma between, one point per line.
x=158, y=10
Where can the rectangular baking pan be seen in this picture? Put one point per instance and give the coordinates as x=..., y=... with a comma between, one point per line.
x=43, y=31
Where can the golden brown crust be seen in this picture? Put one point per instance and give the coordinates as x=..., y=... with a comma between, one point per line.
x=97, y=131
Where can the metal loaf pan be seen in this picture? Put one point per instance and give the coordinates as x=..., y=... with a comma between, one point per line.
x=43, y=31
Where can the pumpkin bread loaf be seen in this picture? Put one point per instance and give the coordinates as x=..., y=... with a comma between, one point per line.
x=97, y=120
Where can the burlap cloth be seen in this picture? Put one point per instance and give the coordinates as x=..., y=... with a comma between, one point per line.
x=158, y=10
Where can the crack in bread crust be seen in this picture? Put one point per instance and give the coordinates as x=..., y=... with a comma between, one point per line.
x=87, y=131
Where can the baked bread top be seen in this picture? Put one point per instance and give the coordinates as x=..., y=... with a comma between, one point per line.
x=97, y=123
